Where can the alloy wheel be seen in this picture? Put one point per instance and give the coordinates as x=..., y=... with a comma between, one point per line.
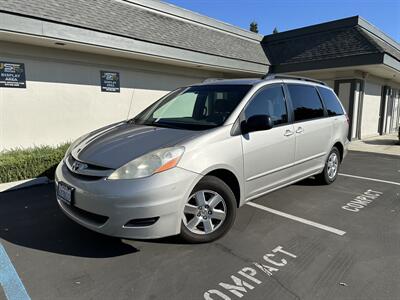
x=333, y=164
x=204, y=212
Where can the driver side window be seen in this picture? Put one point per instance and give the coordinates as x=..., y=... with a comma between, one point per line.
x=269, y=101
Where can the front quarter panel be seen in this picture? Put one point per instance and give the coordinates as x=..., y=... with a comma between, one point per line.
x=214, y=150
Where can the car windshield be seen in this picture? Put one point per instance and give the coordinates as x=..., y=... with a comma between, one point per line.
x=194, y=108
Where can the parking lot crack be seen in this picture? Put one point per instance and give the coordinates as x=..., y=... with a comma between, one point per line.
x=285, y=287
x=231, y=252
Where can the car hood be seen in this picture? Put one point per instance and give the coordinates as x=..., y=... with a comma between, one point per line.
x=115, y=145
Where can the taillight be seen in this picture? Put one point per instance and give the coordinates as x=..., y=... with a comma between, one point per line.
x=348, y=119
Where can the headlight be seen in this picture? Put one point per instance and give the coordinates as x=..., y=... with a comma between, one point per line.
x=149, y=164
x=74, y=144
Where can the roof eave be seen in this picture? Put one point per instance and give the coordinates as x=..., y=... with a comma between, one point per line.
x=391, y=62
x=354, y=60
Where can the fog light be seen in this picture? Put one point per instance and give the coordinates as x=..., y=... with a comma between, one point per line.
x=141, y=222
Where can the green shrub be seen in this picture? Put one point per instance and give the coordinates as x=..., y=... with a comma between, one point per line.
x=21, y=164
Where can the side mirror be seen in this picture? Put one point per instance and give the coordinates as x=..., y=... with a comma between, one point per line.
x=257, y=123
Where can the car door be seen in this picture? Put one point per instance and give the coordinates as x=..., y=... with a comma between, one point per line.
x=269, y=154
x=313, y=130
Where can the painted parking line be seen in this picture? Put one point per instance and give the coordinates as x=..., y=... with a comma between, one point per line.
x=368, y=178
x=298, y=219
x=9, y=279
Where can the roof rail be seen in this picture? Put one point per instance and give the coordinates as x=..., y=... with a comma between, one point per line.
x=283, y=76
x=208, y=80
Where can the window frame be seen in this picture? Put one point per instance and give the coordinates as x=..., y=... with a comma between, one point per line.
x=325, y=113
x=242, y=116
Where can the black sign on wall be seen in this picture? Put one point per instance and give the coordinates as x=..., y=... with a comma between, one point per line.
x=109, y=81
x=12, y=75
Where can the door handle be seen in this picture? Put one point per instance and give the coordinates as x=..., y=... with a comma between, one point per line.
x=300, y=130
x=288, y=132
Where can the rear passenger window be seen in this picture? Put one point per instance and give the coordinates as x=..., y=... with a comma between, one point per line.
x=306, y=102
x=331, y=102
x=269, y=101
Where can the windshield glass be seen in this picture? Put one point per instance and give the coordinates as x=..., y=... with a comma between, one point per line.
x=194, y=108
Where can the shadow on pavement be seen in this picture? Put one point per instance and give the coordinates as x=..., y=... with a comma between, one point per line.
x=171, y=240
x=382, y=142
x=31, y=218
x=310, y=181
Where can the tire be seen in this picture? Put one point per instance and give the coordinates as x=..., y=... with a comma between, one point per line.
x=327, y=176
x=211, y=201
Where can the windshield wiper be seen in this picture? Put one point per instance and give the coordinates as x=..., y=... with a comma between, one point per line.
x=132, y=121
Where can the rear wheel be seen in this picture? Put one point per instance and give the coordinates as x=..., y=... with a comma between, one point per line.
x=331, y=169
x=209, y=212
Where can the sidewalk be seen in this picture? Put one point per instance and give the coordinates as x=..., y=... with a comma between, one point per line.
x=386, y=144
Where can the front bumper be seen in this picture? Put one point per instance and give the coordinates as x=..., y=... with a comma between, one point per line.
x=107, y=206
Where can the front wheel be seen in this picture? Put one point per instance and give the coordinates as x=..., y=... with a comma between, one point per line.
x=209, y=212
x=331, y=169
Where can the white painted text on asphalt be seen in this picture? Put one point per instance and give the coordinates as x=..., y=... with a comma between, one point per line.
x=246, y=280
x=362, y=201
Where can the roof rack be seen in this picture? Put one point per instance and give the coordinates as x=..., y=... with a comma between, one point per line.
x=283, y=76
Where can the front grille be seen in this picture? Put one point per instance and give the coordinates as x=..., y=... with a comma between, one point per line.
x=84, y=177
x=89, y=217
x=89, y=172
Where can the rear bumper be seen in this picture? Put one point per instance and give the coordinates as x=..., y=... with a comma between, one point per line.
x=106, y=206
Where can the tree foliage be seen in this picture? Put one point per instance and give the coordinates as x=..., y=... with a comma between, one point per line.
x=254, y=27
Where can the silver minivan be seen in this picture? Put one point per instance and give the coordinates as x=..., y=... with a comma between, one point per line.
x=187, y=162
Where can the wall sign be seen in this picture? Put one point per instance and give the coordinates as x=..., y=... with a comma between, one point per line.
x=109, y=81
x=12, y=75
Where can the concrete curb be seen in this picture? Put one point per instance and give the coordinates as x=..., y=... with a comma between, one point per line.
x=16, y=185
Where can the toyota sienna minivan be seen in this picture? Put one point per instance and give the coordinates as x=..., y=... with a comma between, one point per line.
x=188, y=161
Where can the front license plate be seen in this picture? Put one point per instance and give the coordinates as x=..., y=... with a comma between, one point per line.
x=64, y=192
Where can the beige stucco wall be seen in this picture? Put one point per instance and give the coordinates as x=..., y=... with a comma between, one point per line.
x=63, y=99
x=330, y=83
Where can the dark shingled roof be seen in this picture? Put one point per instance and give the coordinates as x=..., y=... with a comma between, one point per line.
x=333, y=40
x=128, y=20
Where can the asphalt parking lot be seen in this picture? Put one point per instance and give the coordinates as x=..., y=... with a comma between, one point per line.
x=302, y=242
